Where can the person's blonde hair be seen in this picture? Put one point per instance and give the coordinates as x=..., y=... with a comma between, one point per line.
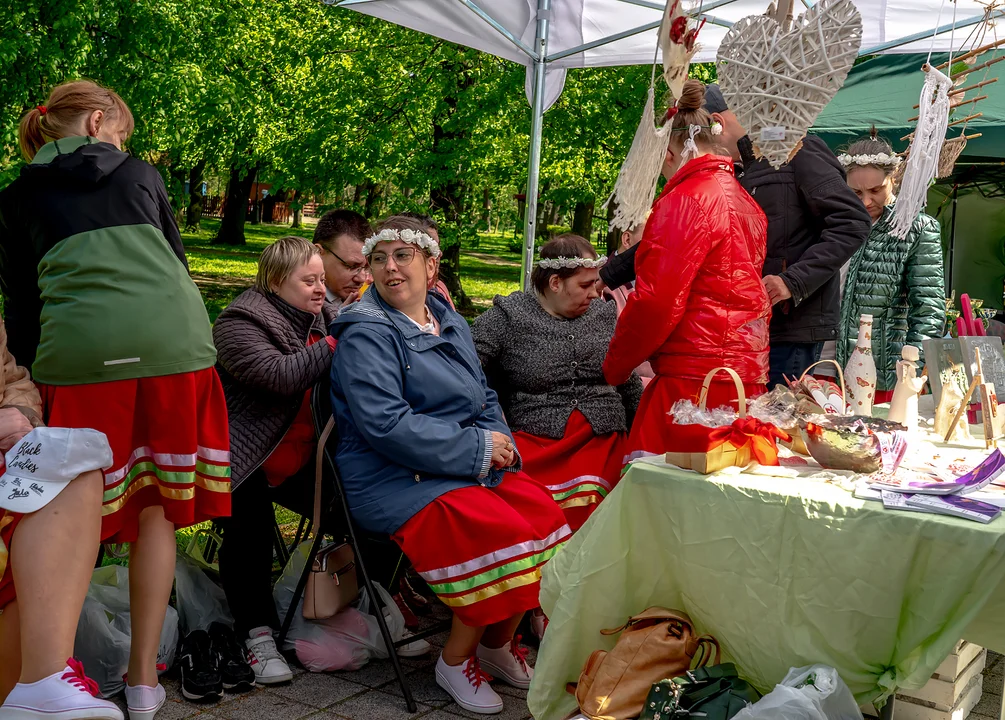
x=280, y=259
x=61, y=114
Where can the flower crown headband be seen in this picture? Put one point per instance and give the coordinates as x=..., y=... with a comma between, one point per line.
x=412, y=237
x=880, y=159
x=570, y=263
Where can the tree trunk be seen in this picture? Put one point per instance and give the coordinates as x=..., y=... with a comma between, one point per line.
x=357, y=189
x=613, y=236
x=193, y=216
x=236, y=208
x=582, y=219
x=373, y=197
x=487, y=208
x=176, y=191
x=298, y=209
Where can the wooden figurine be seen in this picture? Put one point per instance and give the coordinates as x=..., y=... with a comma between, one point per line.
x=950, y=402
x=904, y=405
x=989, y=403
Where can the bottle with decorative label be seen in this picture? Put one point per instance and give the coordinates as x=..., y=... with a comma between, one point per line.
x=860, y=372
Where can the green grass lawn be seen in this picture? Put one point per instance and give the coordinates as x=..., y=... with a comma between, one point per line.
x=223, y=272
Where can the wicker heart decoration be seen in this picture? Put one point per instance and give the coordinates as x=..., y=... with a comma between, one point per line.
x=777, y=82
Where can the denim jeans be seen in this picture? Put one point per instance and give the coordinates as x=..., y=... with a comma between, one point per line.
x=791, y=359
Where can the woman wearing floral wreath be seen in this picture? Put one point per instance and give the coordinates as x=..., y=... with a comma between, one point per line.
x=699, y=302
x=427, y=458
x=543, y=353
x=98, y=300
x=897, y=281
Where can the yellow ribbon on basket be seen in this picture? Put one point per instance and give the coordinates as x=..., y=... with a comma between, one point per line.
x=759, y=435
x=6, y=520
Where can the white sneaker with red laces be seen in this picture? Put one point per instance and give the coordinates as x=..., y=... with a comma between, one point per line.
x=270, y=667
x=469, y=686
x=144, y=701
x=66, y=695
x=508, y=663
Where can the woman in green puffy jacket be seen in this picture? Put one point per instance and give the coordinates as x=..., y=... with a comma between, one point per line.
x=897, y=281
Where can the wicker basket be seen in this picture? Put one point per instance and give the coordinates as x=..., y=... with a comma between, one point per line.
x=723, y=455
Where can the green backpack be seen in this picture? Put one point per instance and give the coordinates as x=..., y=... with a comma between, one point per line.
x=712, y=693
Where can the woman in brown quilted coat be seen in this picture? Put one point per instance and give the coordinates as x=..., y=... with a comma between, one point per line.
x=272, y=348
x=46, y=558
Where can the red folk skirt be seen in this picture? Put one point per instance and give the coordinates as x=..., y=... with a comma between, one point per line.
x=481, y=549
x=170, y=445
x=8, y=521
x=652, y=427
x=578, y=470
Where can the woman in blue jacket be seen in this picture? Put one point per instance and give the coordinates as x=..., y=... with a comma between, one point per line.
x=427, y=458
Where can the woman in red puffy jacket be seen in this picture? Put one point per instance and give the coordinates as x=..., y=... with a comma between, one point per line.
x=699, y=302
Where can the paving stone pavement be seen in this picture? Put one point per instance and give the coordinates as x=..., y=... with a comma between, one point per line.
x=374, y=694
x=990, y=705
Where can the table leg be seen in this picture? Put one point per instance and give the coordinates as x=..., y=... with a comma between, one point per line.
x=887, y=712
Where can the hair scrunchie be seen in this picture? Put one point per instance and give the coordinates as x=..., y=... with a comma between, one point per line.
x=42, y=109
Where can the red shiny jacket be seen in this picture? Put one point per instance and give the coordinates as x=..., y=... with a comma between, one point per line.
x=698, y=301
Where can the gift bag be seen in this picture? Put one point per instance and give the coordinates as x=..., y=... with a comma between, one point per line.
x=810, y=693
x=708, y=450
x=346, y=641
x=103, y=634
x=201, y=602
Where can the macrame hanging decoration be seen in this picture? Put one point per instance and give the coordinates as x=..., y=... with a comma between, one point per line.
x=636, y=183
x=959, y=69
x=926, y=148
x=777, y=80
x=678, y=41
x=635, y=187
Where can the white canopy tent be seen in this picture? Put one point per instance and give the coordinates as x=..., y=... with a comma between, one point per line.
x=550, y=36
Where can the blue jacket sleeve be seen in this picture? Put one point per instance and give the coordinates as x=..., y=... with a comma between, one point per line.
x=366, y=364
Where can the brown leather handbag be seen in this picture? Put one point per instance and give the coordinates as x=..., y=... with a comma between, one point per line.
x=654, y=645
x=331, y=584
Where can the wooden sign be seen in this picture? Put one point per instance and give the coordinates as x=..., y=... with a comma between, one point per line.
x=945, y=365
x=992, y=358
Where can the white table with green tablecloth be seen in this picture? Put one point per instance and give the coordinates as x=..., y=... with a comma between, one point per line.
x=784, y=571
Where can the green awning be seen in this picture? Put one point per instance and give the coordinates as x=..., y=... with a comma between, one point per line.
x=883, y=89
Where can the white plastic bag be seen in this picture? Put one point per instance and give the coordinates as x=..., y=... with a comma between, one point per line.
x=345, y=642
x=201, y=602
x=102, y=640
x=810, y=693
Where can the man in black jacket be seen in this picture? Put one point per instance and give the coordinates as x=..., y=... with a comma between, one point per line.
x=815, y=224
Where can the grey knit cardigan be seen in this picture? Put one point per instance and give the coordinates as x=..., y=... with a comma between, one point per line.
x=544, y=367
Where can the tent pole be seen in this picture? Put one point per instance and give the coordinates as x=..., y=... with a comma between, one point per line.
x=536, y=126
x=950, y=285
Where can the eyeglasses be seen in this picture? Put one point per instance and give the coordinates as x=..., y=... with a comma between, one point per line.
x=403, y=257
x=354, y=269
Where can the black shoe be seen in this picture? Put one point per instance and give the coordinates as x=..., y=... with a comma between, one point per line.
x=200, y=671
x=234, y=668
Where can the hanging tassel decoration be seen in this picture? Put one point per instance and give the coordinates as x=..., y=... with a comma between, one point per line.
x=925, y=151
x=636, y=183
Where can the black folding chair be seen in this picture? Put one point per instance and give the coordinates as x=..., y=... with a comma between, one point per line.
x=336, y=520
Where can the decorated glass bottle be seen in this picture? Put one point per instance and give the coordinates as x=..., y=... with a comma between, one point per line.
x=860, y=372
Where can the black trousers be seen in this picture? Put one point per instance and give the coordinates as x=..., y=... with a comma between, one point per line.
x=246, y=555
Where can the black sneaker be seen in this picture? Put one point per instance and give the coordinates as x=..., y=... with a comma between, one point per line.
x=234, y=668
x=200, y=671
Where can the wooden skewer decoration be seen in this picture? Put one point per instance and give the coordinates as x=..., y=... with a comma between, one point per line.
x=988, y=64
x=978, y=379
x=958, y=105
x=973, y=53
x=960, y=91
x=954, y=122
